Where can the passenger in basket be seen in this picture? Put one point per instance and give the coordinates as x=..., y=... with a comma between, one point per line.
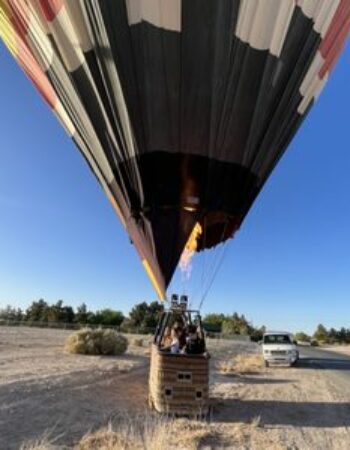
x=195, y=342
x=166, y=340
x=179, y=325
x=183, y=337
x=175, y=340
x=174, y=346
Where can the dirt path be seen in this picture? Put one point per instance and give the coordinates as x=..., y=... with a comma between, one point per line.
x=294, y=408
x=44, y=390
x=343, y=349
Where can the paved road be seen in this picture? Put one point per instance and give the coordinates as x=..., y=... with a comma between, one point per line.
x=337, y=363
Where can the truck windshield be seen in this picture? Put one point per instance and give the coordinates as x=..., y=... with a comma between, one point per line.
x=277, y=339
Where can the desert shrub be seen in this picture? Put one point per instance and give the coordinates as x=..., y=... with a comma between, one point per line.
x=96, y=342
x=243, y=363
x=137, y=342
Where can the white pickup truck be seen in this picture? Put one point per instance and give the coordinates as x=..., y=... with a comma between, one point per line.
x=279, y=347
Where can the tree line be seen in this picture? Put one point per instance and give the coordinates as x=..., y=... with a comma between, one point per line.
x=143, y=317
x=322, y=335
x=230, y=324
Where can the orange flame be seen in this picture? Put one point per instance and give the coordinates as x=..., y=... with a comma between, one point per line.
x=190, y=247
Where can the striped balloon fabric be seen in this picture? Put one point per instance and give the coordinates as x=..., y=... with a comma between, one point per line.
x=181, y=108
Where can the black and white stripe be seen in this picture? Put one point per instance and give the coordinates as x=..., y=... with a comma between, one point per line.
x=182, y=108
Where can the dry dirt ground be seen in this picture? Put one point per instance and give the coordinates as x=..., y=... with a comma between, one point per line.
x=44, y=391
x=344, y=349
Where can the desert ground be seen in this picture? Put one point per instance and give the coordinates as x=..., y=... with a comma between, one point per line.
x=344, y=349
x=46, y=393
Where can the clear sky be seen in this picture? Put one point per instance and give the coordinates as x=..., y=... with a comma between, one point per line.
x=288, y=267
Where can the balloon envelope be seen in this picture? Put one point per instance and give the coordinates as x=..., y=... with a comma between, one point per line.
x=181, y=108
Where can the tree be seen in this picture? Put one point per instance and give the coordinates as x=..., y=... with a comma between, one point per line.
x=10, y=313
x=19, y=315
x=341, y=335
x=37, y=311
x=67, y=314
x=257, y=334
x=153, y=315
x=236, y=324
x=91, y=318
x=138, y=313
x=321, y=333
x=40, y=311
x=347, y=336
x=213, y=322
x=82, y=314
x=300, y=336
x=59, y=313
x=333, y=336
x=110, y=317
x=144, y=316
x=54, y=312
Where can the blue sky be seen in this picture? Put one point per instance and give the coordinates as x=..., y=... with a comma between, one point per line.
x=288, y=267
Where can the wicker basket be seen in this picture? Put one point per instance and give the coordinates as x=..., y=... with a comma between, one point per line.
x=179, y=383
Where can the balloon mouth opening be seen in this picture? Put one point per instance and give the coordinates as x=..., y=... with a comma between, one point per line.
x=214, y=228
x=217, y=227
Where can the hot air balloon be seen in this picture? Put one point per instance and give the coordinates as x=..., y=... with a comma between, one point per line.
x=181, y=108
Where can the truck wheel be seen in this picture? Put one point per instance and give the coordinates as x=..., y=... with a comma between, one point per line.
x=266, y=363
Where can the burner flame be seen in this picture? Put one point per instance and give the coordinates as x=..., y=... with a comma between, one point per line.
x=189, y=250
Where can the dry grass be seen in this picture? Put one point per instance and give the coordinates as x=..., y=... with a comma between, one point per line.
x=192, y=435
x=145, y=432
x=40, y=444
x=148, y=433
x=257, y=422
x=127, y=436
x=96, y=342
x=241, y=364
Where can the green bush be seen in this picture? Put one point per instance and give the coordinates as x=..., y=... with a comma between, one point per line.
x=96, y=342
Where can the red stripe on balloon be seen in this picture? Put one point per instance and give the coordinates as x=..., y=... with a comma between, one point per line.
x=334, y=40
x=20, y=22
x=35, y=72
x=51, y=8
x=19, y=16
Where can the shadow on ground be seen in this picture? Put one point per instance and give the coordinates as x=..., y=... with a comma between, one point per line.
x=303, y=414
x=324, y=363
x=243, y=379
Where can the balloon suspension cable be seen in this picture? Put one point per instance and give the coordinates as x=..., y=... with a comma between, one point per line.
x=215, y=266
x=166, y=302
x=204, y=253
x=222, y=256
